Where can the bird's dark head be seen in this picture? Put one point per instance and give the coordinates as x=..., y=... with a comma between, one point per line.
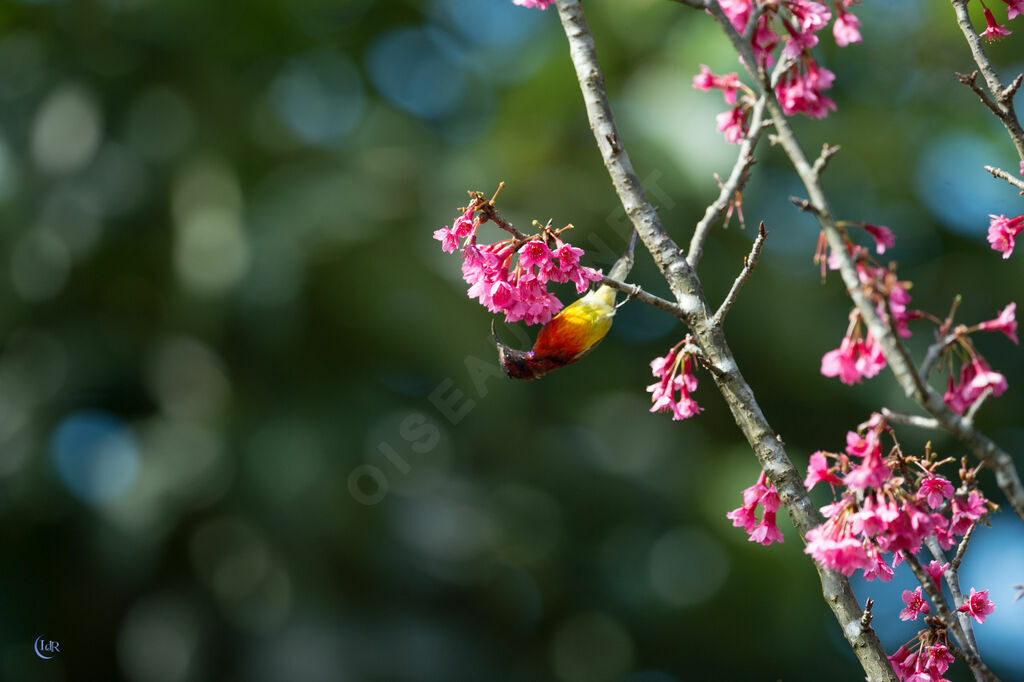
x=518, y=364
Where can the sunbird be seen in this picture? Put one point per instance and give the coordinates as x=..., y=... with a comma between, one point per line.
x=572, y=333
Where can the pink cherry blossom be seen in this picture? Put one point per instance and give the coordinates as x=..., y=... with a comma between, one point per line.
x=502, y=295
x=993, y=30
x=879, y=568
x=936, y=570
x=729, y=83
x=1002, y=232
x=898, y=659
x=916, y=604
x=762, y=494
x=733, y=123
x=738, y=12
x=976, y=377
x=935, y=490
x=1005, y=322
x=832, y=545
x=818, y=470
x=767, y=532
x=811, y=16
x=449, y=240
x=977, y=605
x=938, y=661
x=872, y=472
x=842, y=362
x=535, y=253
x=464, y=224
x=897, y=296
x=764, y=41
x=966, y=512
x=800, y=90
x=675, y=374
x=846, y=29
x=884, y=238
x=798, y=42
x=860, y=446
x=867, y=522
x=870, y=358
x=743, y=517
x=539, y=4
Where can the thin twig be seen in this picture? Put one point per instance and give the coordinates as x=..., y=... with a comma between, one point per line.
x=749, y=263
x=737, y=179
x=934, y=352
x=804, y=205
x=821, y=163
x=865, y=619
x=971, y=81
x=976, y=405
x=635, y=291
x=492, y=214
x=1012, y=179
x=911, y=420
x=955, y=565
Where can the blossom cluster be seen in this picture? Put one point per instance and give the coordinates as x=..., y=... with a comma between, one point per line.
x=794, y=24
x=976, y=378
x=927, y=657
x=676, y=382
x=539, y=4
x=890, y=505
x=763, y=494
x=518, y=289
x=859, y=355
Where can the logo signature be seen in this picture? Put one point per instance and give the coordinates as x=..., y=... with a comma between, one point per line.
x=46, y=648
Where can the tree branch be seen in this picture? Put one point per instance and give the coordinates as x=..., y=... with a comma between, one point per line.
x=749, y=262
x=686, y=287
x=1012, y=179
x=635, y=291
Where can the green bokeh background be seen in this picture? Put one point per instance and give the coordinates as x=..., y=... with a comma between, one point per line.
x=215, y=239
